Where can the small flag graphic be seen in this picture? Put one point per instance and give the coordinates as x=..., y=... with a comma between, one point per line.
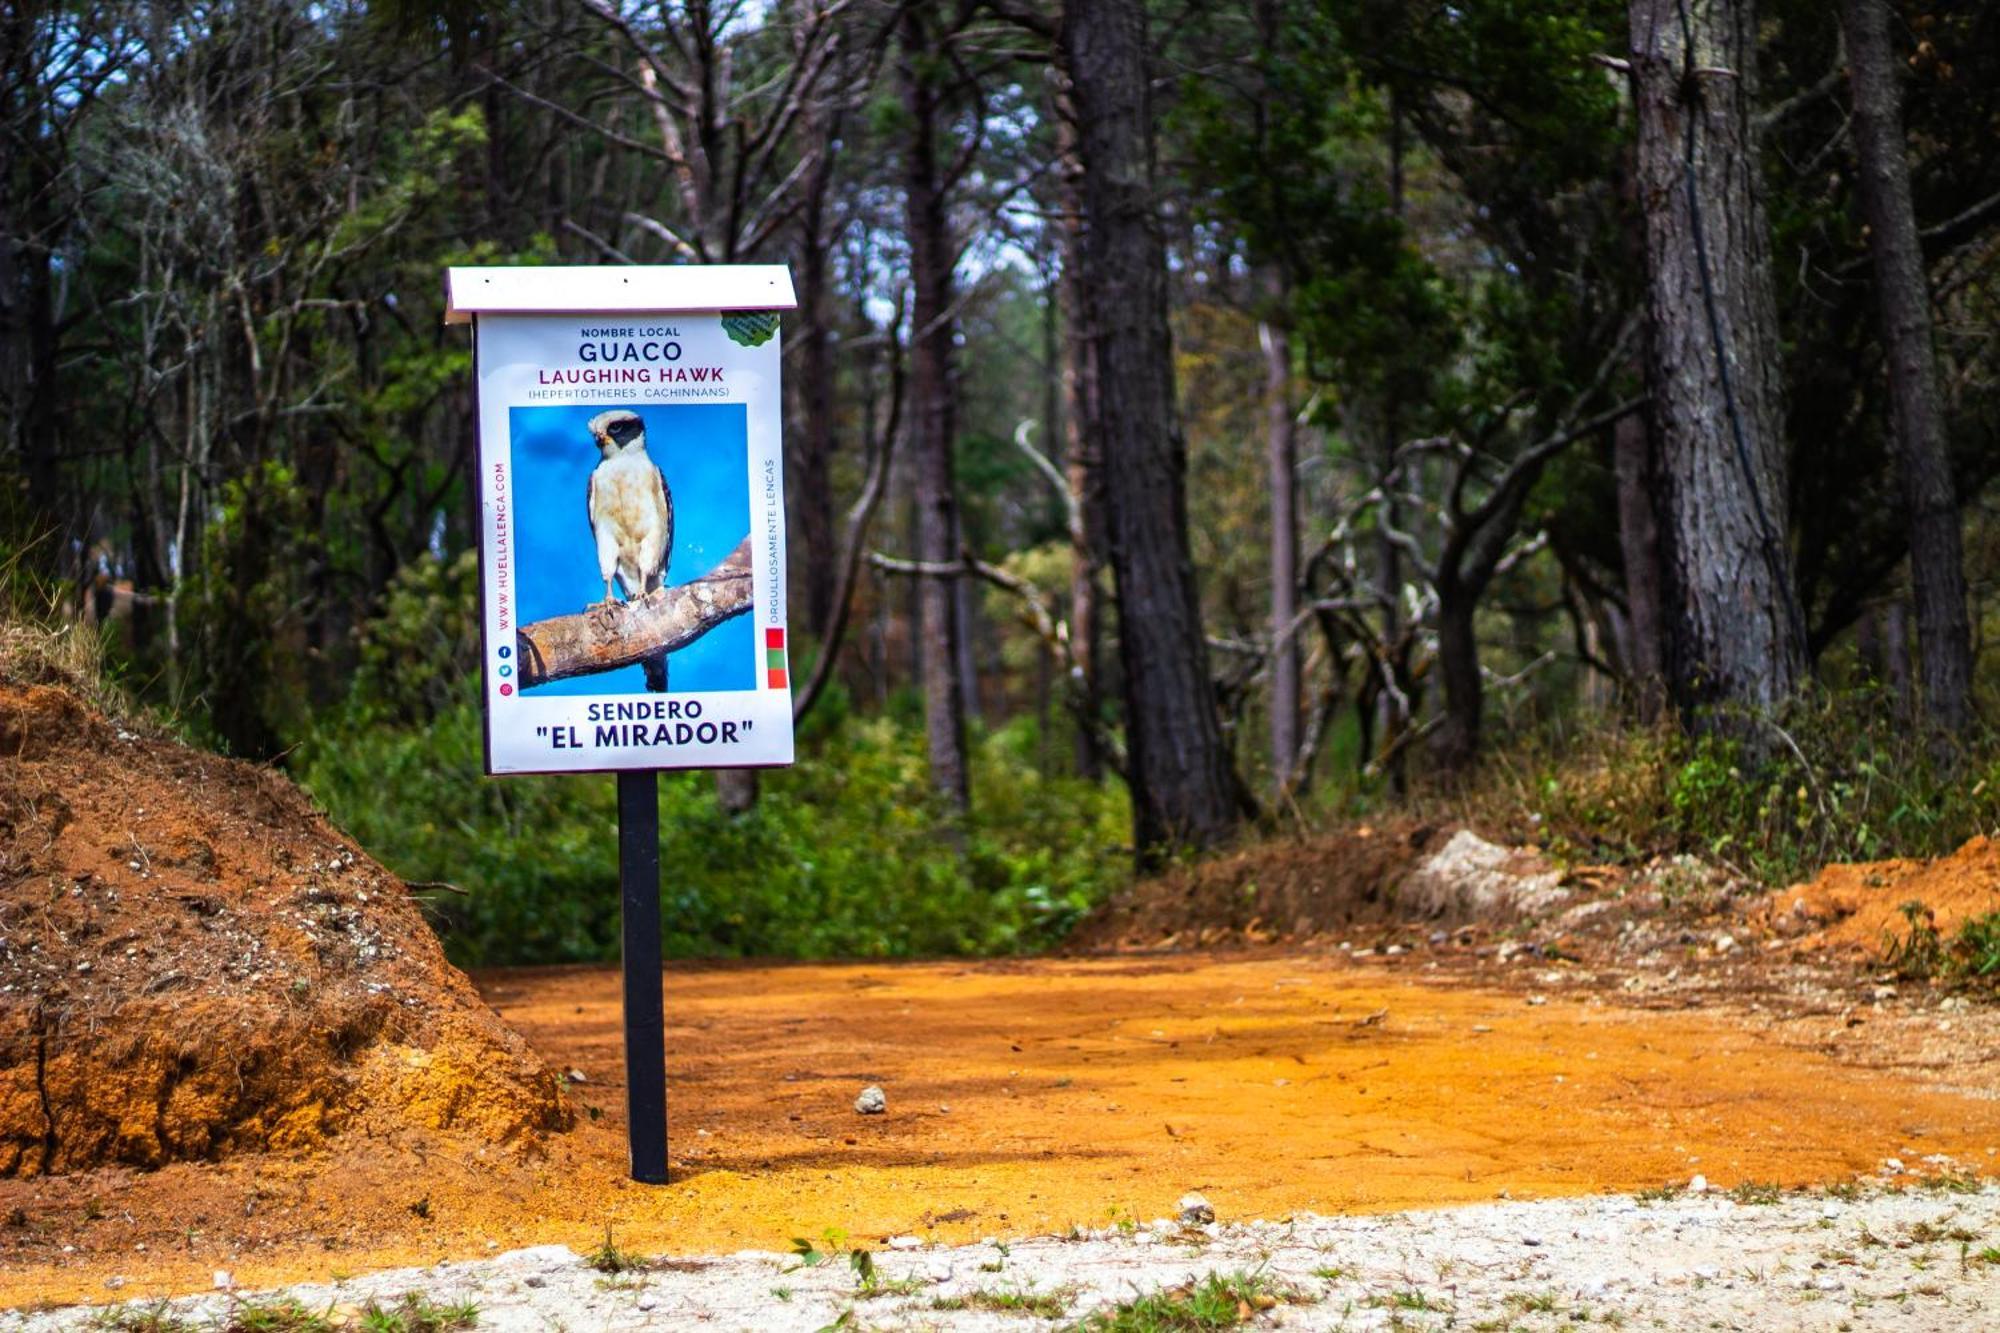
x=774, y=657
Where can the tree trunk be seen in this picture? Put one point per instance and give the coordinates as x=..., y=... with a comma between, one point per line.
x=816, y=438
x=1083, y=444
x=1937, y=570
x=1639, y=544
x=1456, y=743
x=1392, y=714
x=1183, y=789
x=932, y=424
x=1896, y=656
x=815, y=380
x=965, y=607
x=1736, y=634
x=1281, y=462
x=736, y=790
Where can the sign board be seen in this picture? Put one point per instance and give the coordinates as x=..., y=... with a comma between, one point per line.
x=631, y=515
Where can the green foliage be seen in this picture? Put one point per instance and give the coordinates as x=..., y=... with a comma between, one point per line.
x=281, y=1315
x=1758, y=1192
x=418, y=654
x=840, y=856
x=609, y=1258
x=1010, y=1300
x=1977, y=947
x=243, y=612
x=1843, y=778
x=1920, y=952
x=418, y=1313
x=1218, y=1301
x=809, y=1252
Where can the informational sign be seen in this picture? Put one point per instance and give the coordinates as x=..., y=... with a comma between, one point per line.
x=631, y=509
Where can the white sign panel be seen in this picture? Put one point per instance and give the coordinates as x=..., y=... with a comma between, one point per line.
x=632, y=539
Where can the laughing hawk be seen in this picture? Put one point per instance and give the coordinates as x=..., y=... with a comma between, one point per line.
x=631, y=516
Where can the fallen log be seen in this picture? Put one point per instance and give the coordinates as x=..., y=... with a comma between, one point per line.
x=605, y=638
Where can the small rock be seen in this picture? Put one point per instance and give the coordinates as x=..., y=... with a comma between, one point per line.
x=535, y=1280
x=906, y=1242
x=114, y=1282
x=223, y=1282
x=1892, y=1166
x=647, y=1300
x=871, y=1101
x=1195, y=1210
x=1531, y=1240
x=1724, y=943
x=1699, y=1185
x=576, y=1076
x=1538, y=999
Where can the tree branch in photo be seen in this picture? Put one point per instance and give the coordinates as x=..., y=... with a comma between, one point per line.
x=666, y=620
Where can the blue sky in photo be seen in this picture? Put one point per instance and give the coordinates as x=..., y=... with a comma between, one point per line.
x=704, y=451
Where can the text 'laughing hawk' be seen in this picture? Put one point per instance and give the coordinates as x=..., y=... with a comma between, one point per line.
x=631, y=516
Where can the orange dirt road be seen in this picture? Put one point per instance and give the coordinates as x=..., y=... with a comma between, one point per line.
x=1025, y=1097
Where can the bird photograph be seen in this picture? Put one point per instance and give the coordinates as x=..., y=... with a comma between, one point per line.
x=631, y=517
x=666, y=497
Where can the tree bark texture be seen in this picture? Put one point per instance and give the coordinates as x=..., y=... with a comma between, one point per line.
x=1639, y=546
x=815, y=400
x=665, y=620
x=933, y=411
x=1281, y=462
x=1896, y=656
x=1456, y=743
x=1937, y=566
x=1183, y=789
x=1083, y=445
x=1736, y=634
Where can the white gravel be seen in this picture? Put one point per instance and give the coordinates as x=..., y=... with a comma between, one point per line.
x=1908, y=1261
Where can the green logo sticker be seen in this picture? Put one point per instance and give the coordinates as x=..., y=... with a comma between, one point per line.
x=752, y=328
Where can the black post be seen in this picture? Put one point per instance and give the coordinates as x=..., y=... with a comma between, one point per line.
x=645, y=1010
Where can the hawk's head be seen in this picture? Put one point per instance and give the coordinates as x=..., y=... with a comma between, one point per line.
x=616, y=431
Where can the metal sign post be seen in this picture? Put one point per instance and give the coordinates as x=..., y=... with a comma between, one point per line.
x=645, y=1006
x=632, y=559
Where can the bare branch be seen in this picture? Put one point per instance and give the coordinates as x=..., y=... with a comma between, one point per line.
x=665, y=620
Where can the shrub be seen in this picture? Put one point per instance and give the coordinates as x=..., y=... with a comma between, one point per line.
x=1843, y=778
x=843, y=855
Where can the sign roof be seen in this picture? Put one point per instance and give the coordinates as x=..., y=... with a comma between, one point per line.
x=615, y=288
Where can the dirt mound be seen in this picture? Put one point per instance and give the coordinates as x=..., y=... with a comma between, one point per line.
x=1858, y=906
x=194, y=963
x=1270, y=891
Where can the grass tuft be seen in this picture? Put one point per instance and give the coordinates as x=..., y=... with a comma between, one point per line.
x=1039, y=1304
x=1218, y=1301
x=608, y=1258
x=280, y=1315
